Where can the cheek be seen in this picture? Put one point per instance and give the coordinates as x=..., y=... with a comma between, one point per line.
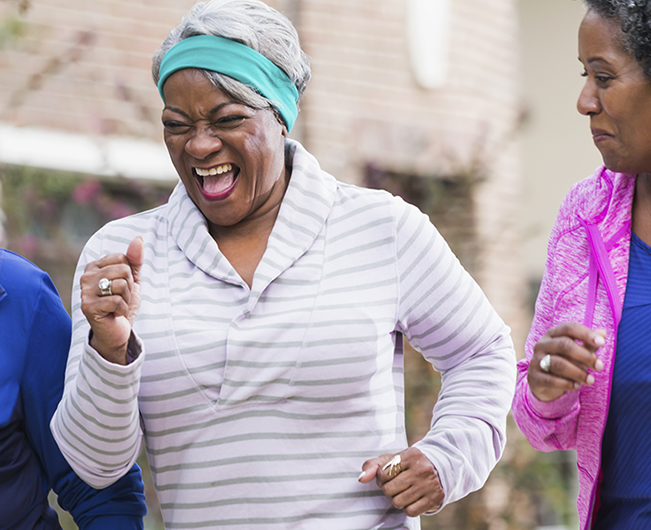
x=174, y=146
x=264, y=152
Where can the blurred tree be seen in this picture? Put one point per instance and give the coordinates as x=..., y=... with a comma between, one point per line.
x=527, y=489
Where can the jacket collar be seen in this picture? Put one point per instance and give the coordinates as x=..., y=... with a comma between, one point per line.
x=611, y=196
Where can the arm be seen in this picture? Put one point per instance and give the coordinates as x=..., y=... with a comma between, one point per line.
x=445, y=315
x=120, y=506
x=97, y=423
x=548, y=415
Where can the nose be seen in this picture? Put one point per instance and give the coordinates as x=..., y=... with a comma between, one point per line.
x=588, y=102
x=203, y=143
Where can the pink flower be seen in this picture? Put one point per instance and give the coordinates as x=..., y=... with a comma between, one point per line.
x=28, y=244
x=86, y=191
x=119, y=210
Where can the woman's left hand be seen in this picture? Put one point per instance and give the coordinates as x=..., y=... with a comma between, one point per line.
x=416, y=489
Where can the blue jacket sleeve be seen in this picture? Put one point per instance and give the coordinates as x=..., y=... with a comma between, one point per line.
x=121, y=505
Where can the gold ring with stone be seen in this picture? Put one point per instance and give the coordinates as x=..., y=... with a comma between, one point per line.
x=394, y=466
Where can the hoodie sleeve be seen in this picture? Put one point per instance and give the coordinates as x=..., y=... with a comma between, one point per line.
x=446, y=316
x=548, y=425
x=97, y=424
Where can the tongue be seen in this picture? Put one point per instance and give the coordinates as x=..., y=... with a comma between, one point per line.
x=218, y=183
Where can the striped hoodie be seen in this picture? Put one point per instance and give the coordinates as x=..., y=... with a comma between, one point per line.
x=258, y=406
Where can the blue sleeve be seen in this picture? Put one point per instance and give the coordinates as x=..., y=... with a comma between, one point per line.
x=121, y=505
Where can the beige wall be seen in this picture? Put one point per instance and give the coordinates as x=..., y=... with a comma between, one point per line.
x=84, y=66
x=557, y=148
x=364, y=106
x=86, y=69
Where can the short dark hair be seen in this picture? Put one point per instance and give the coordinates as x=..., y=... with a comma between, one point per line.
x=635, y=19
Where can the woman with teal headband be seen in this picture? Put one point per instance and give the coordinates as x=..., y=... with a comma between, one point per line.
x=250, y=330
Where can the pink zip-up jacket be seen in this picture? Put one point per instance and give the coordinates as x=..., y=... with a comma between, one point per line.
x=584, y=281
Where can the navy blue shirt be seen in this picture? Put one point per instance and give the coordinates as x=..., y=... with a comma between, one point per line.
x=34, y=343
x=626, y=452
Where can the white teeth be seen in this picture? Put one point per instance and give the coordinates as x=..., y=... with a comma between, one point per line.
x=213, y=170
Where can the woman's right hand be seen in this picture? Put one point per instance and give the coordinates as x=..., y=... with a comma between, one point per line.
x=111, y=316
x=571, y=348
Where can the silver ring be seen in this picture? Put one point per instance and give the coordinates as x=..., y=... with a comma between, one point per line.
x=393, y=466
x=105, y=287
x=546, y=363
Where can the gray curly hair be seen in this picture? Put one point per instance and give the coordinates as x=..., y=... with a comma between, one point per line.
x=250, y=22
x=635, y=19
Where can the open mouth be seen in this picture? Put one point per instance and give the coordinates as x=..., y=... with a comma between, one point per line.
x=217, y=182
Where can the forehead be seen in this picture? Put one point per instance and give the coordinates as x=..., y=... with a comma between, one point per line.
x=605, y=35
x=191, y=86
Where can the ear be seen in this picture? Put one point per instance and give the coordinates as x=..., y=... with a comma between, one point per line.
x=280, y=120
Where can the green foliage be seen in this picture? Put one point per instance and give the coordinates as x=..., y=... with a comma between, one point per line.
x=11, y=29
x=12, y=25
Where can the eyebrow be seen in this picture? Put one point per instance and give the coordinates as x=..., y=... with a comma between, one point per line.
x=210, y=113
x=596, y=60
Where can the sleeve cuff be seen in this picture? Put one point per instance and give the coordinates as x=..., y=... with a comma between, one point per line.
x=134, y=348
x=135, y=356
x=423, y=449
x=553, y=410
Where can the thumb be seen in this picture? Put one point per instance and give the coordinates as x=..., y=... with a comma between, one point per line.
x=135, y=254
x=369, y=470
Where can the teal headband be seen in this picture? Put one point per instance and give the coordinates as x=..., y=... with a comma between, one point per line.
x=236, y=60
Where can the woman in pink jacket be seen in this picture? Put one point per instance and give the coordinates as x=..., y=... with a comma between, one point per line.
x=586, y=381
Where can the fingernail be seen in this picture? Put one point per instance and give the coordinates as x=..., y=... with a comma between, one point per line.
x=361, y=475
x=599, y=340
x=577, y=386
x=590, y=379
x=599, y=365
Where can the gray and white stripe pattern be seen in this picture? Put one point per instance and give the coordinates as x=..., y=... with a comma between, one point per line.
x=258, y=406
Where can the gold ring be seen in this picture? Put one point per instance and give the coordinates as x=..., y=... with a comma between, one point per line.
x=394, y=466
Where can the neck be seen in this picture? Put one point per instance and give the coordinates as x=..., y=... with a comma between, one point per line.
x=260, y=221
x=244, y=243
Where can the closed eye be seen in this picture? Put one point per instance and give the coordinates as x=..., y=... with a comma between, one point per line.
x=175, y=126
x=231, y=120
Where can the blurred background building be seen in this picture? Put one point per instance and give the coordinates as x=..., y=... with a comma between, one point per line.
x=464, y=107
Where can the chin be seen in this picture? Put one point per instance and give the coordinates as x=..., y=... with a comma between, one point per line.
x=615, y=164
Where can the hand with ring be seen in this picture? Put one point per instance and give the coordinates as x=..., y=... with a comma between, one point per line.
x=110, y=299
x=105, y=287
x=562, y=360
x=393, y=467
x=408, y=478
